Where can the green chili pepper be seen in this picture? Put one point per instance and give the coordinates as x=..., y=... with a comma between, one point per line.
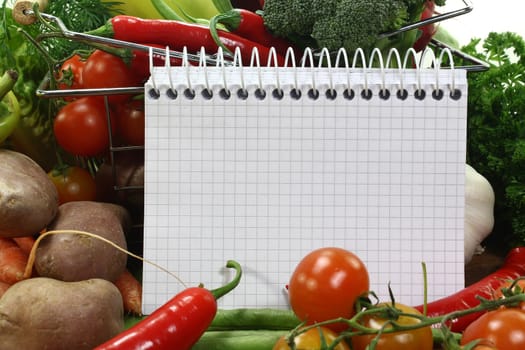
x=9, y=106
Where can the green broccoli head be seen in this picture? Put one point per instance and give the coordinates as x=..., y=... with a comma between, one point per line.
x=335, y=24
x=358, y=23
x=294, y=19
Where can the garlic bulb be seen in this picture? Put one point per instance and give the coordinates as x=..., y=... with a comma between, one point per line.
x=479, y=211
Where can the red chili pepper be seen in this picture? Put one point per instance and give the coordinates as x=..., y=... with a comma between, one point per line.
x=140, y=62
x=513, y=267
x=427, y=31
x=178, y=324
x=247, y=24
x=178, y=34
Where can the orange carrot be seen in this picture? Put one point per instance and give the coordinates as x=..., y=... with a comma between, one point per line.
x=25, y=243
x=13, y=261
x=131, y=290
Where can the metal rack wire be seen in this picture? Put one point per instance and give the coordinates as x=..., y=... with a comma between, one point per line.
x=474, y=65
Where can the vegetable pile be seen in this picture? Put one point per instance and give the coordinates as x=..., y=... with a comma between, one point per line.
x=364, y=324
x=68, y=267
x=334, y=314
x=73, y=165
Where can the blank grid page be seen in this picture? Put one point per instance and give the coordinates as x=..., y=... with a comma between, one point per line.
x=265, y=181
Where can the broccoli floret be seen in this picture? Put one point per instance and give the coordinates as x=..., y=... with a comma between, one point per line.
x=295, y=18
x=348, y=24
x=357, y=24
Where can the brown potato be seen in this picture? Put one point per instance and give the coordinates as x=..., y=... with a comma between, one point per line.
x=76, y=257
x=28, y=198
x=42, y=313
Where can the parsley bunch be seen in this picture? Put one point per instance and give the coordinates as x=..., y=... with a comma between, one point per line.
x=496, y=130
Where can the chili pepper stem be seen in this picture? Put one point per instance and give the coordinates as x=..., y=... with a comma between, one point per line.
x=222, y=18
x=221, y=291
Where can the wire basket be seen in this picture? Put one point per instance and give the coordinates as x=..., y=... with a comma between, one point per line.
x=475, y=65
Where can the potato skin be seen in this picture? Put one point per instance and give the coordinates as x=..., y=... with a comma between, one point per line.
x=43, y=313
x=75, y=257
x=28, y=198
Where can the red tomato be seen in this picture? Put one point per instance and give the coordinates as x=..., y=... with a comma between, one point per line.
x=326, y=284
x=504, y=328
x=73, y=183
x=311, y=340
x=69, y=76
x=81, y=127
x=414, y=339
x=104, y=70
x=131, y=122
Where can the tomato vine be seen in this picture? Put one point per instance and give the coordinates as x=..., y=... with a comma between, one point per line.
x=391, y=313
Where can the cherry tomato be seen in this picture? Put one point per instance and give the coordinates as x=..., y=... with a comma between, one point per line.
x=311, y=340
x=104, y=70
x=73, y=183
x=131, y=122
x=326, y=284
x=81, y=127
x=69, y=75
x=415, y=339
x=504, y=327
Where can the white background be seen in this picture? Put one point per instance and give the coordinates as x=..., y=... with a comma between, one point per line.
x=486, y=16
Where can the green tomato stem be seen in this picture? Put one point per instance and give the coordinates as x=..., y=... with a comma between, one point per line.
x=392, y=314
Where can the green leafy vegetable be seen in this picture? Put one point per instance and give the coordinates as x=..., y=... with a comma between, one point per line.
x=496, y=130
x=34, y=134
x=78, y=16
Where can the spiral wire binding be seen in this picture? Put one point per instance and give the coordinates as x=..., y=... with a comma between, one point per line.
x=427, y=60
